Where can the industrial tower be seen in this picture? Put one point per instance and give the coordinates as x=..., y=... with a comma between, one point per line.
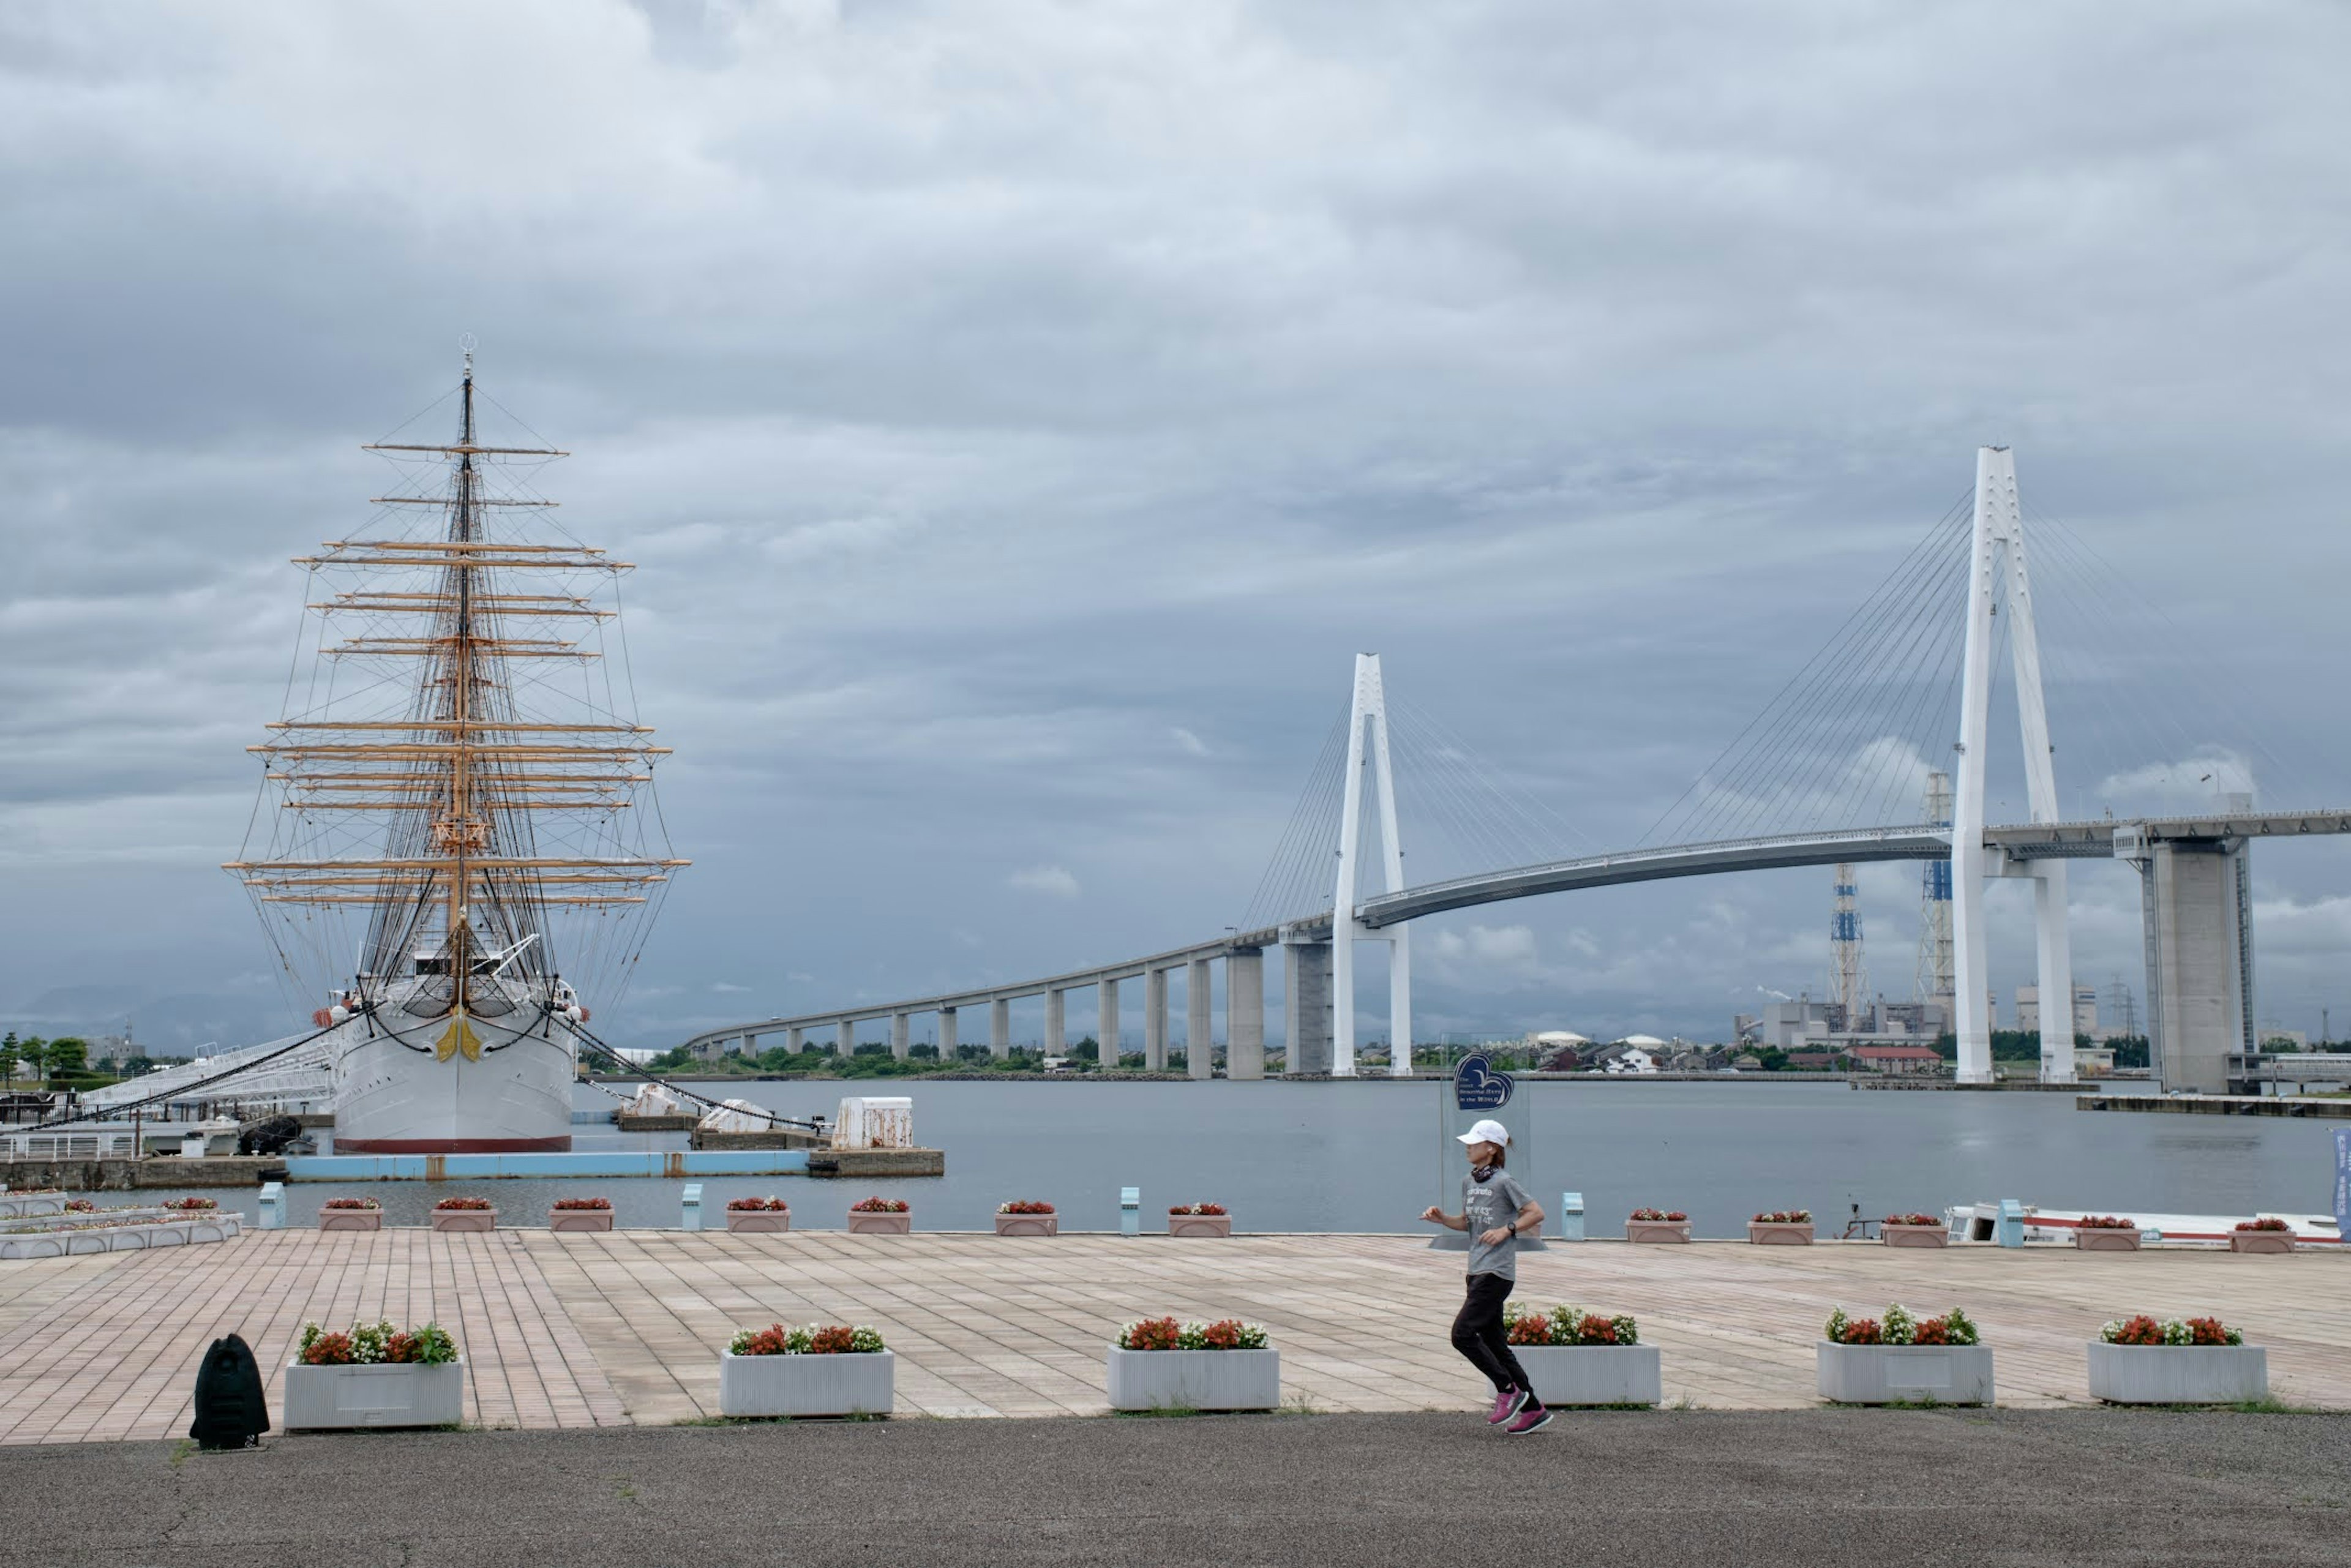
x=1848, y=980
x=1933, y=984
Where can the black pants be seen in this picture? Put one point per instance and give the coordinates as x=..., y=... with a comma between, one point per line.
x=1478, y=1332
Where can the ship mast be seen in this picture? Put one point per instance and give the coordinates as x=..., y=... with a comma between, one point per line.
x=417, y=799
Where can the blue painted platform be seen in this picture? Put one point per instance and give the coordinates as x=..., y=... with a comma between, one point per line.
x=673, y=1164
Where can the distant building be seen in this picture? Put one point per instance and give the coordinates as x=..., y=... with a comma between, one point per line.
x=1896, y=1058
x=1807, y=1025
x=2085, y=1009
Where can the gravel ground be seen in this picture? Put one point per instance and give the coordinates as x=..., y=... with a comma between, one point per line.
x=1815, y=1488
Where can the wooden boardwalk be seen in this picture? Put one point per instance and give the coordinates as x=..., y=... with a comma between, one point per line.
x=605, y=1330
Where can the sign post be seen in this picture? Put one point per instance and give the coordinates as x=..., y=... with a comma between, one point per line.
x=2343, y=1183
x=1479, y=1089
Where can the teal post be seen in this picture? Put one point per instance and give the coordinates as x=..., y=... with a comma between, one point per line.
x=691, y=1219
x=1570, y=1216
x=1130, y=1211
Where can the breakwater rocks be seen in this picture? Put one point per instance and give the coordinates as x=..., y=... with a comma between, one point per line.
x=125, y=1175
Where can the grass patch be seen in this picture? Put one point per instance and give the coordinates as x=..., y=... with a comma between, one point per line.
x=1161, y=1412
x=181, y=1450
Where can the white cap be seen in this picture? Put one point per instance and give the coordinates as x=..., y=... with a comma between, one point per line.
x=1488, y=1132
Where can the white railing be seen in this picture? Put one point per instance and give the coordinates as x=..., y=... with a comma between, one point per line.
x=83, y=1145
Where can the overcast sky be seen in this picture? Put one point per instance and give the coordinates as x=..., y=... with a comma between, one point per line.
x=1022, y=414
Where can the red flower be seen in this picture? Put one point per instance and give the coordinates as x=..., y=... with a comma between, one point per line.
x=329, y=1350
x=760, y=1204
x=1862, y=1331
x=1152, y=1333
x=878, y=1205
x=834, y=1339
x=2207, y=1331
x=1595, y=1330
x=2140, y=1329
x=1534, y=1328
x=586, y=1203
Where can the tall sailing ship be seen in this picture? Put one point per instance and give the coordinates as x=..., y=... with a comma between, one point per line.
x=457, y=846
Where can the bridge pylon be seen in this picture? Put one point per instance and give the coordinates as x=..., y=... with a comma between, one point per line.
x=1997, y=574
x=1367, y=747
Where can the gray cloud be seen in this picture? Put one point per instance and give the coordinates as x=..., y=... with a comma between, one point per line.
x=1021, y=416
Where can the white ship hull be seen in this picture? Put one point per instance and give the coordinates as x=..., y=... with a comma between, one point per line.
x=503, y=1085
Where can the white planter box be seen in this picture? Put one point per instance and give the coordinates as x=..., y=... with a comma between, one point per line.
x=2177, y=1373
x=1593, y=1373
x=341, y=1398
x=852, y=1385
x=1195, y=1379
x=17, y=1206
x=1884, y=1374
x=216, y=1227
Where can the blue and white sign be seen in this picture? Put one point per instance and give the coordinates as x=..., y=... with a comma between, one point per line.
x=2343, y=1181
x=1477, y=1087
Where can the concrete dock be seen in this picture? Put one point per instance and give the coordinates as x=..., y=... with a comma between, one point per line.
x=625, y=1327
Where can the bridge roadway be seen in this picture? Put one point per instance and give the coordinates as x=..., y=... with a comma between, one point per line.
x=2011, y=846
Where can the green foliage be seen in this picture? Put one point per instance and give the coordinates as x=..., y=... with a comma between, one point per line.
x=69, y=1057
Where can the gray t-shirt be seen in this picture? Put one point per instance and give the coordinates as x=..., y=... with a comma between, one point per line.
x=1495, y=1201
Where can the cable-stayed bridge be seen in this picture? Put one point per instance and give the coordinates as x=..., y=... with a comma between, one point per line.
x=1844, y=744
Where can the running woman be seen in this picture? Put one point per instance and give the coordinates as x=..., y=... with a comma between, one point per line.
x=1496, y=1211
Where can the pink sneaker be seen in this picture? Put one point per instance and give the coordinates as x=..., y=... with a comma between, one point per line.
x=1533, y=1420
x=1506, y=1404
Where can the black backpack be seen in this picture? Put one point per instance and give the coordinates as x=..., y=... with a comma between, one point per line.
x=231, y=1410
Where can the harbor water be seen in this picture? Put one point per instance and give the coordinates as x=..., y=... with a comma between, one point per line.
x=1366, y=1156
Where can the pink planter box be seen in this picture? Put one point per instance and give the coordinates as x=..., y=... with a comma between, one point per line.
x=2104, y=1239
x=1028, y=1224
x=1780, y=1232
x=2261, y=1241
x=880, y=1224
x=759, y=1221
x=580, y=1219
x=1657, y=1232
x=350, y=1219
x=1199, y=1224
x=466, y=1219
x=1914, y=1236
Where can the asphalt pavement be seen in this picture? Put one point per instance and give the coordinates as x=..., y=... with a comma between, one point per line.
x=1672, y=1487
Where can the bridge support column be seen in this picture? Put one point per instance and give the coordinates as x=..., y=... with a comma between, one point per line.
x=1245, y=1013
x=844, y=1038
x=946, y=1034
x=1056, y=1014
x=795, y=1039
x=1155, y=1020
x=899, y=1036
x=1306, y=1008
x=2196, y=903
x=1199, y=1049
x=1399, y=1001
x=999, y=1028
x=1106, y=1030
